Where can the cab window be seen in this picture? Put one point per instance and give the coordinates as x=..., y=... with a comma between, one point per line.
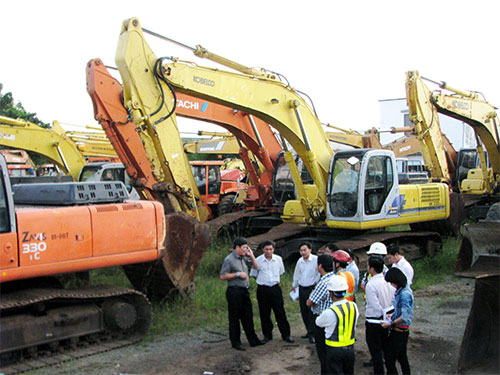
x=379, y=182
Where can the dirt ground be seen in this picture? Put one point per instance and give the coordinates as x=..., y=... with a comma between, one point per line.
x=439, y=321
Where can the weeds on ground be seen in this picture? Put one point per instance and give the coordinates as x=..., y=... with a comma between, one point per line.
x=208, y=307
x=433, y=270
x=109, y=276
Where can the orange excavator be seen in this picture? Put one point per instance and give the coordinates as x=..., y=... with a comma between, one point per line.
x=255, y=134
x=49, y=232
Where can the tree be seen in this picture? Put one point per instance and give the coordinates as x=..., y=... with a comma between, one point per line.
x=16, y=110
x=9, y=109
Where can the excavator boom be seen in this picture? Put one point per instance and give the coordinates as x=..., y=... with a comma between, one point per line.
x=186, y=238
x=51, y=143
x=424, y=116
x=273, y=102
x=462, y=105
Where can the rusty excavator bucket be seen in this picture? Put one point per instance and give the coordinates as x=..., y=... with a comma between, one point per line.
x=479, y=252
x=185, y=242
x=479, y=256
x=479, y=351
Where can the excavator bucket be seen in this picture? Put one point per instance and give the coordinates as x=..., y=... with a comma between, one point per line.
x=173, y=273
x=479, y=252
x=479, y=351
x=479, y=257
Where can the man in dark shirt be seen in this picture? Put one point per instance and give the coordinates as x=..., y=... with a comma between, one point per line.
x=239, y=305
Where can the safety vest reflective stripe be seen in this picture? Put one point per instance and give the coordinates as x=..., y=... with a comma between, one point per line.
x=345, y=325
x=350, y=285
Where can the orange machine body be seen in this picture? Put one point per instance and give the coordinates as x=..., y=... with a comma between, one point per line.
x=56, y=240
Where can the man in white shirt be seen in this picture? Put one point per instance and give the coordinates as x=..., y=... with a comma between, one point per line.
x=269, y=295
x=379, y=297
x=399, y=261
x=305, y=276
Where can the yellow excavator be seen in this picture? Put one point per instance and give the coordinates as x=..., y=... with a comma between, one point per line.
x=479, y=253
x=70, y=151
x=466, y=106
x=327, y=208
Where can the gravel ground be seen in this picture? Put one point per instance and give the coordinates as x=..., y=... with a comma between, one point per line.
x=440, y=316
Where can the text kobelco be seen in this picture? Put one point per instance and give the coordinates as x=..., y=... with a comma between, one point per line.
x=203, y=81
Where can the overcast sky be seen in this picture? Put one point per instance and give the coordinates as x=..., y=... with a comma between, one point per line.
x=346, y=55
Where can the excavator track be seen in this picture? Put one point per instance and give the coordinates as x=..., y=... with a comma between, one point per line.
x=46, y=326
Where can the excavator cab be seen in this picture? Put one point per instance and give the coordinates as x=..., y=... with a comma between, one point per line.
x=283, y=186
x=362, y=185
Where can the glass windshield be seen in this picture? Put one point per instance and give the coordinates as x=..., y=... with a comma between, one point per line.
x=344, y=186
x=199, y=173
x=89, y=174
x=283, y=185
x=4, y=210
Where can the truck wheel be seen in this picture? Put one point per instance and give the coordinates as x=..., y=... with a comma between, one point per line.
x=226, y=205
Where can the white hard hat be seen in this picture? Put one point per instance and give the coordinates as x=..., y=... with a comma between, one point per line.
x=337, y=283
x=377, y=248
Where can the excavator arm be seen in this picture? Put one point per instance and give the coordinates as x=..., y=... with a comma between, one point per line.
x=464, y=106
x=141, y=152
x=51, y=143
x=262, y=96
x=370, y=139
x=105, y=91
x=424, y=116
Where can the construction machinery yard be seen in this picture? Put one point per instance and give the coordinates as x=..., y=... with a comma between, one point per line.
x=297, y=188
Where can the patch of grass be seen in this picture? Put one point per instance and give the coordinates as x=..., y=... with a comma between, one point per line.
x=433, y=270
x=208, y=307
x=110, y=276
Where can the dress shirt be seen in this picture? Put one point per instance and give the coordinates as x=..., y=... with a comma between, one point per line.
x=320, y=296
x=353, y=268
x=306, y=272
x=235, y=263
x=379, y=296
x=328, y=319
x=406, y=268
x=269, y=271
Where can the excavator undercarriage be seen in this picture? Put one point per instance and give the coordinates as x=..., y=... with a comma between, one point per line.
x=44, y=326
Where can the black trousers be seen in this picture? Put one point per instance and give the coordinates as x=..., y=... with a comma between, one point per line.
x=340, y=360
x=239, y=308
x=305, y=312
x=319, y=336
x=271, y=298
x=396, y=351
x=377, y=339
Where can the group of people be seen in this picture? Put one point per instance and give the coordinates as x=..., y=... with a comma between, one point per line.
x=326, y=284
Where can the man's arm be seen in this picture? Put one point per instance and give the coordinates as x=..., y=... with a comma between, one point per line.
x=296, y=275
x=326, y=318
x=226, y=274
x=372, y=300
x=255, y=264
x=230, y=276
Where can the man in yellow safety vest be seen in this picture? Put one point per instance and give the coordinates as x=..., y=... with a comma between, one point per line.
x=339, y=322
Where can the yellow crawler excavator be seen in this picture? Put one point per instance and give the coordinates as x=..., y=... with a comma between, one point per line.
x=325, y=208
x=69, y=150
